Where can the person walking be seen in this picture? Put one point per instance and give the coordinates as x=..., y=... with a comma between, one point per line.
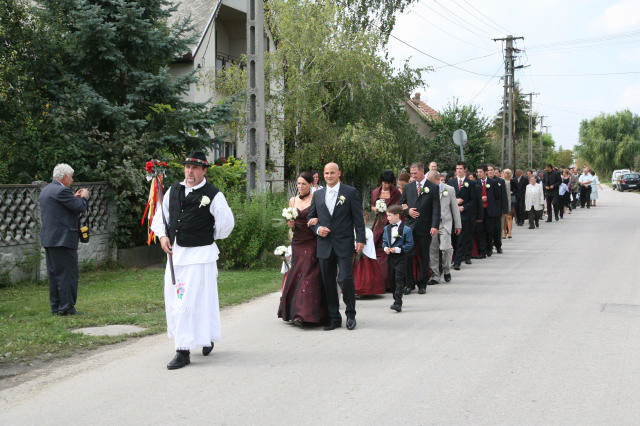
x=60, y=210
x=551, y=181
x=441, y=243
x=585, y=181
x=196, y=214
x=468, y=207
x=534, y=202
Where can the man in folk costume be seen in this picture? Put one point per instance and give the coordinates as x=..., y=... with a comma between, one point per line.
x=196, y=214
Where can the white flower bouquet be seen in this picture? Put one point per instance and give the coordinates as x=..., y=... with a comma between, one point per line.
x=204, y=201
x=280, y=251
x=381, y=206
x=290, y=213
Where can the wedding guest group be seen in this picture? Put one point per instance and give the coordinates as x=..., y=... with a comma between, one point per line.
x=195, y=215
x=423, y=226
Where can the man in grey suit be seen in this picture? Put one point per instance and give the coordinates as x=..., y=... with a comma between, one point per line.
x=60, y=211
x=449, y=218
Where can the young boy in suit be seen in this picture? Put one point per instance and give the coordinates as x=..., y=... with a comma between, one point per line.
x=397, y=242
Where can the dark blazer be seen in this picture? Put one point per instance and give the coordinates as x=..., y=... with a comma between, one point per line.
x=427, y=204
x=468, y=194
x=522, y=186
x=404, y=240
x=60, y=215
x=551, y=178
x=494, y=197
x=346, y=217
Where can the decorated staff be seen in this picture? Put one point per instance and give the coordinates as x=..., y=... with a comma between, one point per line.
x=155, y=174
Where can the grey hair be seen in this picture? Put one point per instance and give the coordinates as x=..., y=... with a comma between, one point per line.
x=62, y=169
x=433, y=175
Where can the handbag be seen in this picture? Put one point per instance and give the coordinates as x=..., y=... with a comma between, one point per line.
x=84, y=234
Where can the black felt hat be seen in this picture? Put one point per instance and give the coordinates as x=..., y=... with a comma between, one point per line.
x=197, y=158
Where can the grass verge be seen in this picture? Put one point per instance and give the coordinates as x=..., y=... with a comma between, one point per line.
x=121, y=296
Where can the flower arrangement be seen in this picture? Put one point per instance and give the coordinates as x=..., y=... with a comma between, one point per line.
x=381, y=206
x=466, y=184
x=425, y=190
x=290, y=213
x=341, y=200
x=155, y=168
x=282, y=252
x=204, y=201
x=445, y=193
x=155, y=173
x=488, y=185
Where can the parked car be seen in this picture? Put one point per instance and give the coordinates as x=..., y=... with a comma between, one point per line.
x=629, y=181
x=615, y=177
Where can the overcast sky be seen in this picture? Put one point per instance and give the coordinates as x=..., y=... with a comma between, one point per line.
x=563, y=41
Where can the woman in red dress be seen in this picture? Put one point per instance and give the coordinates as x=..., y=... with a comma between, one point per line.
x=303, y=299
x=390, y=195
x=367, y=276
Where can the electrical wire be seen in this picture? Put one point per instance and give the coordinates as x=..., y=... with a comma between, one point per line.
x=499, y=27
x=475, y=33
x=460, y=17
x=445, y=31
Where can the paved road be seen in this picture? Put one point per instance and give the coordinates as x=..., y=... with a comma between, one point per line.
x=547, y=333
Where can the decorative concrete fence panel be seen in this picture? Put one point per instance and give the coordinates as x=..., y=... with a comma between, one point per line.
x=20, y=253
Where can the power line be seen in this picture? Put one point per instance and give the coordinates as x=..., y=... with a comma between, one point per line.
x=484, y=36
x=438, y=59
x=595, y=74
x=475, y=17
x=587, y=41
x=487, y=83
x=445, y=31
x=467, y=60
x=459, y=17
x=497, y=26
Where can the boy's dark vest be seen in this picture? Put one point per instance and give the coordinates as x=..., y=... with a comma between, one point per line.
x=400, y=232
x=190, y=224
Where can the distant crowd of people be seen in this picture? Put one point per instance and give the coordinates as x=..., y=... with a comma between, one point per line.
x=425, y=223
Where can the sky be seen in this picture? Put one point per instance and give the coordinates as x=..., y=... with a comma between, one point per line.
x=563, y=42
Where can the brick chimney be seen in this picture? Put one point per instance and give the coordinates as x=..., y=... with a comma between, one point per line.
x=416, y=99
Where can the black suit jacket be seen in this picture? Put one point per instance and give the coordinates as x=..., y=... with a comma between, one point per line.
x=427, y=204
x=60, y=215
x=551, y=178
x=468, y=194
x=496, y=202
x=522, y=186
x=347, y=216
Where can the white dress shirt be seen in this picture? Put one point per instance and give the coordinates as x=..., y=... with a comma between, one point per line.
x=331, y=196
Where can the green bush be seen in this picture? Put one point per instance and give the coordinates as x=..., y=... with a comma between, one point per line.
x=259, y=229
x=228, y=173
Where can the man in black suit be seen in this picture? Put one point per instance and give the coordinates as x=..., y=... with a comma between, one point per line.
x=468, y=206
x=421, y=203
x=60, y=211
x=339, y=211
x=551, y=181
x=521, y=189
x=498, y=192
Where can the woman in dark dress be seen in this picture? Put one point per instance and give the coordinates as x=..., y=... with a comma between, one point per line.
x=391, y=195
x=303, y=299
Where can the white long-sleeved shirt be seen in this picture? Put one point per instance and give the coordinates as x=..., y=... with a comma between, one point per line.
x=534, y=197
x=203, y=254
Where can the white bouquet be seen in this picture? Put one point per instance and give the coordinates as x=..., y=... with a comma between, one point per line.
x=290, y=213
x=280, y=251
x=381, y=206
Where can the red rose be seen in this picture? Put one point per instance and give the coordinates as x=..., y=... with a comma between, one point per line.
x=149, y=166
x=164, y=163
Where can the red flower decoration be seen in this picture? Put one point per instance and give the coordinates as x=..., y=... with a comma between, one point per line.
x=149, y=166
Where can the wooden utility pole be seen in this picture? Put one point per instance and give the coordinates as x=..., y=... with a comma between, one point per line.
x=530, y=151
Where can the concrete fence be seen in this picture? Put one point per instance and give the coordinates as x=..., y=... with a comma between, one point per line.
x=21, y=256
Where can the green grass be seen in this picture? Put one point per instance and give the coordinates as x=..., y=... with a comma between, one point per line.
x=121, y=296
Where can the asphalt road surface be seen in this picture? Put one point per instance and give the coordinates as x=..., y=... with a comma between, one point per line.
x=546, y=333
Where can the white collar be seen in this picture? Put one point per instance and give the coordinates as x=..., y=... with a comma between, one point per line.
x=198, y=186
x=336, y=188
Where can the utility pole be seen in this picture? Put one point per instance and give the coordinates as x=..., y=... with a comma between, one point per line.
x=256, y=134
x=530, y=126
x=509, y=88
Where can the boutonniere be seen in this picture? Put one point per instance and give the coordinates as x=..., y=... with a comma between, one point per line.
x=341, y=200
x=204, y=201
x=445, y=193
x=466, y=184
x=425, y=190
x=499, y=184
x=488, y=185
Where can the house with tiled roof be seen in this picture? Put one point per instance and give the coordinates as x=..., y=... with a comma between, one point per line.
x=221, y=39
x=418, y=113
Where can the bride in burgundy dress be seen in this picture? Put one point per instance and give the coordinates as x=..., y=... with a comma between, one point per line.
x=391, y=195
x=303, y=300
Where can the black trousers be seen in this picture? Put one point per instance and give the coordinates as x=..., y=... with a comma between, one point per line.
x=62, y=269
x=552, y=202
x=422, y=242
x=574, y=200
x=481, y=236
x=342, y=268
x=494, y=238
x=585, y=196
x=463, y=242
x=534, y=218
x=521, y=214
x=397, y=264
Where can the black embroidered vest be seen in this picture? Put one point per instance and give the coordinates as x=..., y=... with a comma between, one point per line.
x=190, y=224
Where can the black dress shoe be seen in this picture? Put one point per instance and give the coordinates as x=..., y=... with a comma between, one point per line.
x=206, y=350
x=447, y=277
x=482, y=256
x=351, y=323
x=333, y=325
x=489, y=253
x=422, y=289
x=71, y=311
x=396, y=307
x=499, y=250
x=433, y=282
x=297, y=322
x=407, y=290
x=180, y=360
x=548, y=220
x=456, y=266
x=468, y=262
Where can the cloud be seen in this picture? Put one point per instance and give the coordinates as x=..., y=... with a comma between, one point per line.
x=630, y=98
x=631, y=56
x=622, y=16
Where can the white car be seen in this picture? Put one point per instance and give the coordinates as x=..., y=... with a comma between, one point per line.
x=616, y=175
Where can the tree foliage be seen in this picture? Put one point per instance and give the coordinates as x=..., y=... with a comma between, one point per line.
x=610, y=141
x=334, y=81
x=440, y=147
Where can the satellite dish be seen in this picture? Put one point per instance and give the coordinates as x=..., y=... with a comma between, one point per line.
x=460, y=137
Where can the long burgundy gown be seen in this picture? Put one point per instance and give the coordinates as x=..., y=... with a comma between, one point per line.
x=303, y=296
